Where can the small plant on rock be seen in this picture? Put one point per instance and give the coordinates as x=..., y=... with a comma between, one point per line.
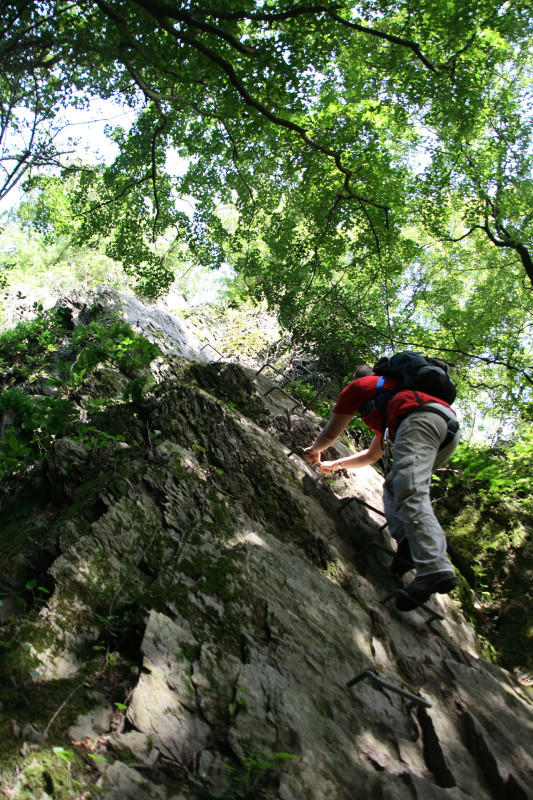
x=254, y=780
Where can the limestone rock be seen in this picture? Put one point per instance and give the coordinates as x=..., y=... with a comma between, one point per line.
x=66, y=461
x=122, y=782
x=136, y=746
x=171, y=333
x=93, y=724
x=164, y=703
x=217, y=599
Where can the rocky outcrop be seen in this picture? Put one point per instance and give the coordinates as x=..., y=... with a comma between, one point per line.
x=207, y=602
x=155, y=324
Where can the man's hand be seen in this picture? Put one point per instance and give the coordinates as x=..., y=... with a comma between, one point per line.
x=312, y=456
x=329, y=467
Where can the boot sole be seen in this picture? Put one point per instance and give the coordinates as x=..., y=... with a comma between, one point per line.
x=418, y=597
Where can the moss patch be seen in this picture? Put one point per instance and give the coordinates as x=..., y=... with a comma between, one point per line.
x=24, y=525
x=46, y=774
x=488, y=542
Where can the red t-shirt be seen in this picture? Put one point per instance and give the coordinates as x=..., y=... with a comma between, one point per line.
x=360, y=391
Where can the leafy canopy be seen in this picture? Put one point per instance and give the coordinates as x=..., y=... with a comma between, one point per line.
x=365, y=167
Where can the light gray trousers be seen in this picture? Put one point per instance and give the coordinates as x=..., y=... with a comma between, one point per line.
x=406, y=492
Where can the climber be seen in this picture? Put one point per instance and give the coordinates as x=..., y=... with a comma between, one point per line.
x=422, y=443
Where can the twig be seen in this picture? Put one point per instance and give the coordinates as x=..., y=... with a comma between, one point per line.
x=62, y=706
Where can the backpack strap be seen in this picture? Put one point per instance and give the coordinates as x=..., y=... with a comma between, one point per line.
x=381, y=399
x=452, y=424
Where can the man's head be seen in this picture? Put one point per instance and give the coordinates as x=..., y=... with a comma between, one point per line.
x=364, y=371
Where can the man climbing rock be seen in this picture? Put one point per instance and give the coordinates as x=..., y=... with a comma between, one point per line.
x=425, y=433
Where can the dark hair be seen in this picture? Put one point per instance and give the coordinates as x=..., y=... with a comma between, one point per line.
x=364, y=371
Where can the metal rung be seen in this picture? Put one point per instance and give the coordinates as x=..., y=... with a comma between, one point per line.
x=212, y=348
x=298, y=365
x=299, y=449
x=379, y=682
x=295, y=450
x=294, y=376
x=348, y=500
x=377, y=545
x=286, y=381
x=298, y=404
x=385, y=549
x=434, y=615
x=319, y=391
x=280, y=372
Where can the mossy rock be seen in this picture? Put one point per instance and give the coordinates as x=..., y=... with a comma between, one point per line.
x=231, y=384
x=45, y=775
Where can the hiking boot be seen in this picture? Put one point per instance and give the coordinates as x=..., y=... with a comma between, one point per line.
x=403, y=560
x=424, y=586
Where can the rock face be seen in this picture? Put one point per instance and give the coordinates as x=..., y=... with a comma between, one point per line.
x=208, y=603
x=169, y=332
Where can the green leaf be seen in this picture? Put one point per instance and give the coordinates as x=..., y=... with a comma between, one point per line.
x=66, y=755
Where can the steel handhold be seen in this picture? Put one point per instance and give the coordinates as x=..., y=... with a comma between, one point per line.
x=376, y=679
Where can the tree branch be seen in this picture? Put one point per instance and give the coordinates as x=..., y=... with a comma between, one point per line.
x=275, y=16
x=161, y=11
x=126, y=189
x=331, y=11
x=235, y=156
x=249, y=100
x=153, y=143
x=520, y=248
x=389, y=37
x=484, y=359
x=460, y=238
x=155, y=98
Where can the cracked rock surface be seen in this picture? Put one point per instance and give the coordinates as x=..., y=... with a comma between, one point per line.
x=208, y=605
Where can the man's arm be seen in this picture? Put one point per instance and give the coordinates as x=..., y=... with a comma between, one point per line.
x=327, y=437
x=362, y=459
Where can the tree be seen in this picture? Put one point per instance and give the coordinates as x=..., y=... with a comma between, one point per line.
x=263, y=88
x=347, y=138
x=32, y=93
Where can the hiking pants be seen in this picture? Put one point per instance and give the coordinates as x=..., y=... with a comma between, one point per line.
x=406, y=491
